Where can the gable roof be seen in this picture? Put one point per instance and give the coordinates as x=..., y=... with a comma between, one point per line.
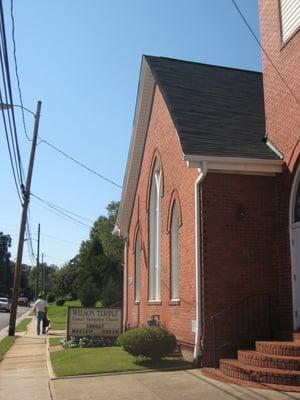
x=218, y=113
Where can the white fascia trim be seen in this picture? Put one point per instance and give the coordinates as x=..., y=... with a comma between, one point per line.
x=137, y=143
x=236, y=165
x=274, y=148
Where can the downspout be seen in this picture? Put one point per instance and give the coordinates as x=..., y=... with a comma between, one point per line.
x=202, y=169
x=125, y=290
x=117, y=232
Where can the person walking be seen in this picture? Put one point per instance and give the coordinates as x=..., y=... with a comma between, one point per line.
x=40, y=307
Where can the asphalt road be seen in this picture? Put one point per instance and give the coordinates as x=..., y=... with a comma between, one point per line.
x=4, y=316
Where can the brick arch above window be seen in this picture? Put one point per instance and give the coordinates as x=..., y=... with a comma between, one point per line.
x=174, y=199
x=156, y=160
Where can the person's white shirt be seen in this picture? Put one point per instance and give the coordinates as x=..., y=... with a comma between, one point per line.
x=40, y=305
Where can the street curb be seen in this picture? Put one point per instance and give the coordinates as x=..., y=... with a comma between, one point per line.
x=49, y=363
x=4, y=331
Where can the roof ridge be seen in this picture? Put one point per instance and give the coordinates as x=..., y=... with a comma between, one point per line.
x=147, y=56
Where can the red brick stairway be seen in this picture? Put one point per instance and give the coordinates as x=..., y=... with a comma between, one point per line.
x=271, y=363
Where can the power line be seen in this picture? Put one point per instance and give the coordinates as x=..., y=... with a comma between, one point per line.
x=60, y=240
x=10, y=155
x=55, y=258
x=23, y=117
x=79, y=163
x=62, y=214
x=9, y=87
x=60, y=208
x=264, y=51
x=12, y=142
x=16, y=65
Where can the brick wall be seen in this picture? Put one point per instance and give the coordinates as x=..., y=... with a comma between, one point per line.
x=162, y=141
x=238, y=255
x=283, y=129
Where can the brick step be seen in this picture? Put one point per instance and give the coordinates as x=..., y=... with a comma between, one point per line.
x=235, y=369
x=291, y=349
x=251, y=357
x=296, y=336
x=213, y=373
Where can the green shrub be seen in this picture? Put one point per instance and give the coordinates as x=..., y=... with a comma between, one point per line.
x=153, y=342
x=50, y=297
x=60, y=302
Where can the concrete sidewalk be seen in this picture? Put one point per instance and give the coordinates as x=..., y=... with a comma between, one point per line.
x=171, y=385
x=24, y=376
x=23, y=371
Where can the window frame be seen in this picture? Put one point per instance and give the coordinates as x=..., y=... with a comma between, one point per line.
x=154, y=279
x=175, y=253
x=285, y=40
x=137, y=267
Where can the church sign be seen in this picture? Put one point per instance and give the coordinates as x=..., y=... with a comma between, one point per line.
x=94, y=321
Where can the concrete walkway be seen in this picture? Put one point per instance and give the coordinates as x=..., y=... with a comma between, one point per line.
x=175, y=385
x=23, y=371
x=24, y=376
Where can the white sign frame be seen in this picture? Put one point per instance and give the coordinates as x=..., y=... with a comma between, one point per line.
x=94, y=321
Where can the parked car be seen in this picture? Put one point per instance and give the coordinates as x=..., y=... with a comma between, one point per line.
x=5, y=304
x=23, y=301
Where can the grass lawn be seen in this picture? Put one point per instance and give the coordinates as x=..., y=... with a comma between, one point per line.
x=55, y=341
x=58, y=314
x=22, y=326
x=5, y=344
x=106, y=359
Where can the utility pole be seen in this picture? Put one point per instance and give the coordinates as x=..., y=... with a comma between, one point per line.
x=26, y=197
x=38, y=263
x=43, y=275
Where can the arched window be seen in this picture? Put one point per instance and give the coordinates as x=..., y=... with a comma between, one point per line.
x=137, y=275
x=154, y=234
x=175, y=264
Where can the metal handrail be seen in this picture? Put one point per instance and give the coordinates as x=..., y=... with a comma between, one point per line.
x=260, y=323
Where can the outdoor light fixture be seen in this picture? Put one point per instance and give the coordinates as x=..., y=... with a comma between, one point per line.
x=241, y=213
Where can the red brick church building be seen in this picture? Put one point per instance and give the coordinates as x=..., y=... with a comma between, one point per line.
x=210, y=209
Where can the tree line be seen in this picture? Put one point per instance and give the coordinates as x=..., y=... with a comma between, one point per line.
x=94, y=274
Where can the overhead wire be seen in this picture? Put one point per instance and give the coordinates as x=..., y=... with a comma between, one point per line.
x=9, y=90
x=60, y=213
x=10, y=154
x=16, y=66
x=54, y=147
x=79, y=163
x=264, y=51
x=7, y=115
x=60, y=208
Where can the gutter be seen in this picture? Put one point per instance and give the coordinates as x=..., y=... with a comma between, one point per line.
x=202, y=170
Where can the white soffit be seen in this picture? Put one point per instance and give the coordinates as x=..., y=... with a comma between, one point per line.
x=236, y=165
x=137, y=143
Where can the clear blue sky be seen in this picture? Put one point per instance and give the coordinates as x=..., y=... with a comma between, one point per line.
x=82, y=60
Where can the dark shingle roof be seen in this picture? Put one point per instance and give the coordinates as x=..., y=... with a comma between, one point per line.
x=217, y=111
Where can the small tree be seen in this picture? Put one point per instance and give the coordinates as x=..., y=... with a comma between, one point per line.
x=111, y=292
x=88, y=293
